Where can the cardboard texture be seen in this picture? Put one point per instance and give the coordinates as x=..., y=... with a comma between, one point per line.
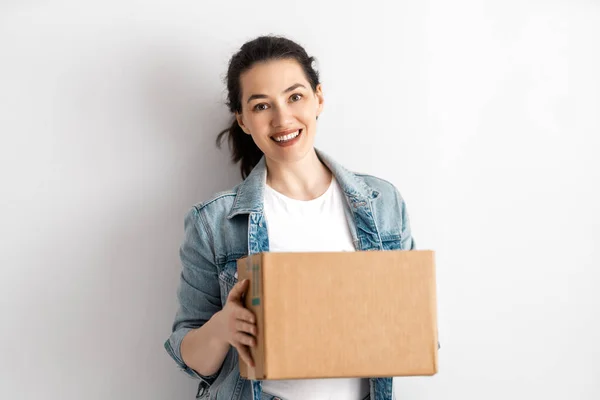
x=345, y=314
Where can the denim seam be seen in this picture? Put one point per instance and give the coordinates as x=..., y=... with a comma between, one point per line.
x=206, y=229
x=200, y=206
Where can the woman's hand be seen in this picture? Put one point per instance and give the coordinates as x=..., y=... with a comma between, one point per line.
x=238, y=324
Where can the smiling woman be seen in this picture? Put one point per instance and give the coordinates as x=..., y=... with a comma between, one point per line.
x=293, y=198
x=277, y=119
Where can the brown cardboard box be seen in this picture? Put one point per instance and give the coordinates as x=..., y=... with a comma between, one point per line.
x=345, y=314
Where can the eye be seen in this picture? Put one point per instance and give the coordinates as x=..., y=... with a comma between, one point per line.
x=295, y=97
x=260, y=107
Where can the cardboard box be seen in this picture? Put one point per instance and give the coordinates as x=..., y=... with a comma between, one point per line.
x=345, y=314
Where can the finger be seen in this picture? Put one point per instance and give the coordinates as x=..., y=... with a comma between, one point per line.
x=243, y=314
x=242, y=326
x=244, y=339
x=244, y=353
x=238, y=290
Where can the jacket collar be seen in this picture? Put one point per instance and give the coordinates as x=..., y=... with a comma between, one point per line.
x=250, y=193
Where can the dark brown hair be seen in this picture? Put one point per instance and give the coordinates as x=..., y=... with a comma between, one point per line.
x=262, y=49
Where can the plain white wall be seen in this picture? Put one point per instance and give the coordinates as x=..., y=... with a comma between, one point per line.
x=485, y=114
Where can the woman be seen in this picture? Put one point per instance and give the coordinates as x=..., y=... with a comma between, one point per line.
x=293, y=198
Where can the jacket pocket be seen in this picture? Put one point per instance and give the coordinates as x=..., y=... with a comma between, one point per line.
x=228, y=277
x=391, y=242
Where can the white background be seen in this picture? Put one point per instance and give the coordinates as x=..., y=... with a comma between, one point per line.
x=485, y=114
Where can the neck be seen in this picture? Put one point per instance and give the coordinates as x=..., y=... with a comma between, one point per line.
x=305, y=179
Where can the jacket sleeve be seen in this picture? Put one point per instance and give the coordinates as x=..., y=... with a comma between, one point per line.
x=407, y=242
x=198, y=293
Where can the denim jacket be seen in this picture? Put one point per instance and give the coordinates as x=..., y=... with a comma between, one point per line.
x=232, y=225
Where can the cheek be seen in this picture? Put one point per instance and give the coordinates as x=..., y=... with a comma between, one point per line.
x=308, y=112
x=309, y=118
x=258, y=122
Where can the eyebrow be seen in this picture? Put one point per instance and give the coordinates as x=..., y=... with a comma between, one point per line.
x=264, y=96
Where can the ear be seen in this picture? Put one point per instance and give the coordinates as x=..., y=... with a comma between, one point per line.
x=240, y=121
x=320, y=99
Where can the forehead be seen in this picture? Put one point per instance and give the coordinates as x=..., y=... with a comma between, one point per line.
x=271, y=77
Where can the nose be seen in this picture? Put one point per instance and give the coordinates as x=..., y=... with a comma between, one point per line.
x=282, y=116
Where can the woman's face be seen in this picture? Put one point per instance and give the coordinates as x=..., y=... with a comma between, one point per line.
x=280, y=109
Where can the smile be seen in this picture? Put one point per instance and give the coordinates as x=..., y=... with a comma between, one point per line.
x=288, y=137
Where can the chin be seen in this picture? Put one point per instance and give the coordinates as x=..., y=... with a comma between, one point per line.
x=291, y=154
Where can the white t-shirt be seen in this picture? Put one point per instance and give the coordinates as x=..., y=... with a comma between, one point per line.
x=313, y=225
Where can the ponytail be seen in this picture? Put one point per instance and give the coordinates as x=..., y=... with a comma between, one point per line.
x=242, y=147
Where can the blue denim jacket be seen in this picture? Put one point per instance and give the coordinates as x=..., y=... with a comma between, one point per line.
x=232, y=225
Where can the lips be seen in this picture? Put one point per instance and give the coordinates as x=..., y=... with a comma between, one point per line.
x=287, y=139
x=287, y=135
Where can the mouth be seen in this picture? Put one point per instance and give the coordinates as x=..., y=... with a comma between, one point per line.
x=287, y=138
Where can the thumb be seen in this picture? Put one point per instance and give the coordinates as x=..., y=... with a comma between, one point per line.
x=238, y=290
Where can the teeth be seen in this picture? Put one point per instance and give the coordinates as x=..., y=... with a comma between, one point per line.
x=287, y=137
